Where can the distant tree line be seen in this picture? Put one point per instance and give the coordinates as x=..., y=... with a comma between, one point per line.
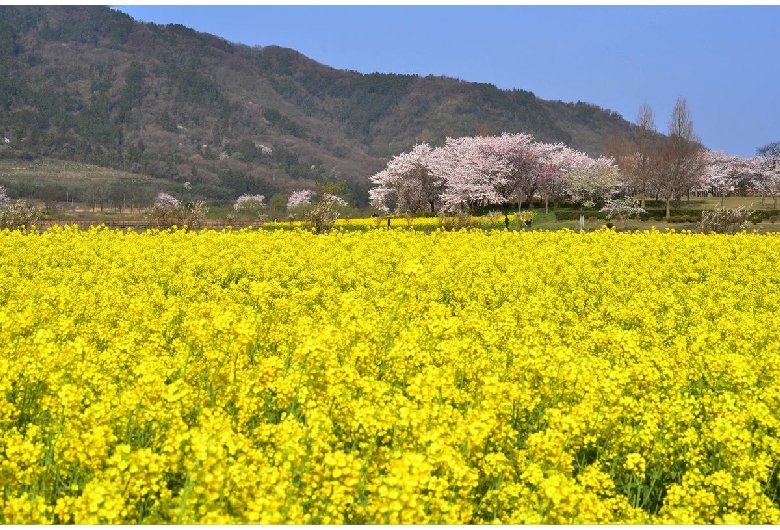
x=475, y=172
x=677, y=165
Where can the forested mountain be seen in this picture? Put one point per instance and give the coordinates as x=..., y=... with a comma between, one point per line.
x=90, y=84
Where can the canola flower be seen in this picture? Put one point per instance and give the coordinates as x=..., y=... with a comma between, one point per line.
x=401, y=221
x=389, y=376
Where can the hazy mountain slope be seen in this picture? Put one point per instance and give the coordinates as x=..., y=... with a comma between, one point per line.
x=92, y=85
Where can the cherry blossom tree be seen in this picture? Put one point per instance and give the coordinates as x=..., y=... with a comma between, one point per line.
x=300, y=198
x=317, y=209
x=408, y=183
x=556, y=161
x=19, y=215
x=470, y=168
x=166, y=200
x=507, y=168
x=247, y=202
x=591, y=181
x=478, y=171
x=768, y=181
x=719, y=172
x=522, y=157
x=338, y=201
x=723, y=172
x=758, y=176
x=383, y=195
x=748, y=172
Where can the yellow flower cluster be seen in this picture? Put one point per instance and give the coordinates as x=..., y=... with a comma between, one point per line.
x=389, y=376
x=401, y=221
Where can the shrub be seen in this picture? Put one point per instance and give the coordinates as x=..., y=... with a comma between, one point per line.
x=4, y=199
x=493, y=216
x=322, y=216
x=622, y=209
x=726, y=220
x=455, y=221
x=525, y=217
x=19, y=215
x=252, y=204
x=168, y=211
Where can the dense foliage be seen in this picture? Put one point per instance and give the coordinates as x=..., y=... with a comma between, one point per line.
x=389, y=376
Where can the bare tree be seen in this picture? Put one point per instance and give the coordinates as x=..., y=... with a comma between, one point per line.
x=771, y=150
x=768, y=160
x=644, y=166
x=97, y=194
x=681, y=160
x=624, y=152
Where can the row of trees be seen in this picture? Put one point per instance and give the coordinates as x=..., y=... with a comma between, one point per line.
x=297, y=199
x=513, y=168
x=677, y=164
x=725, y=173
x=468, y=172
x=317, y=209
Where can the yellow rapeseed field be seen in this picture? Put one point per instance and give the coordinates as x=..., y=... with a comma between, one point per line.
x=498, y=220
x=389, y=376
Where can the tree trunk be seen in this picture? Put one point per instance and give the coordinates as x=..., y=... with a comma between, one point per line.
x=546, y=200
x=668, y=200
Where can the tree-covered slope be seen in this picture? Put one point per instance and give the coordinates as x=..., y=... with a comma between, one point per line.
x=90, y=84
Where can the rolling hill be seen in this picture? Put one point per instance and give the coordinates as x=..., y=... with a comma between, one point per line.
x=91, y=85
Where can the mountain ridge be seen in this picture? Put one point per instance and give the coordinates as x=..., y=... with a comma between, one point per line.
x=93, y=85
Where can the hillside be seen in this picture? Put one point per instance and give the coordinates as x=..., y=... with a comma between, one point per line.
x=91, y=85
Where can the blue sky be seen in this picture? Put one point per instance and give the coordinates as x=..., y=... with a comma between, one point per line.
x=722, y=59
